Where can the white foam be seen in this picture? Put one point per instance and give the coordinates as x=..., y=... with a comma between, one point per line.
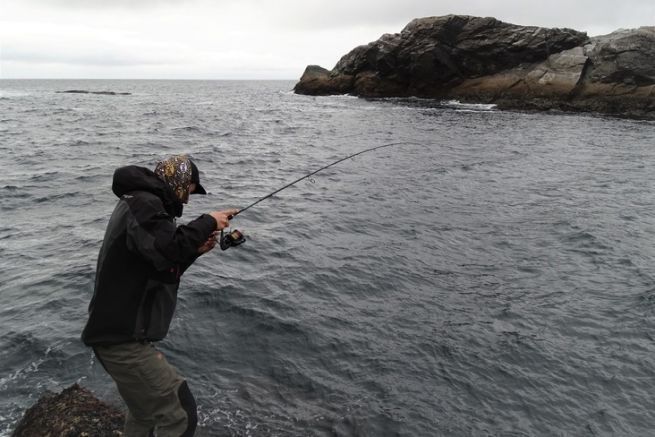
x=456, y=104
x=21, y=373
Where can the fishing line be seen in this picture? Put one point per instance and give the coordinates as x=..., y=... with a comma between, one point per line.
x=236, y=238
x=321, y=169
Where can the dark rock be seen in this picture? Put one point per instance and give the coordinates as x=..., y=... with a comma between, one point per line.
x=623, y=57
x=430, y=55
x=105, y=93
x=318, y=81
x=483, y=60
x=75, y=412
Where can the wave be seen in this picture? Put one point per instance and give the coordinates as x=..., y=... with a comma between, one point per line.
x=428, y=270
x=188, y=129
x=56, y=197
x=456, y=104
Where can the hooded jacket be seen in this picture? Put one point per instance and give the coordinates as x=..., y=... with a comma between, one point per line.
x=142, y=258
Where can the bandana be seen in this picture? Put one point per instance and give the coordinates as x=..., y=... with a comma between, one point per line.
x=176, y=172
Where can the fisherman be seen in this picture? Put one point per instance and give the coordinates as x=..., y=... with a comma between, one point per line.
x=143, y=256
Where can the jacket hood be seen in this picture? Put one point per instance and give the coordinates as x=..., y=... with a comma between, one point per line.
x=135, y=178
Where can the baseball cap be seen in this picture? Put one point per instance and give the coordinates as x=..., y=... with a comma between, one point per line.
x=195, y=178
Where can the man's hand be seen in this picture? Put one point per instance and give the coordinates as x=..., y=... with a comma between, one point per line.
x=223, y=217
x=209, y=244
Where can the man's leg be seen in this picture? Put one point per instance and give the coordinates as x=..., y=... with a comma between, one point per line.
x=133, y=427
x=156, y=396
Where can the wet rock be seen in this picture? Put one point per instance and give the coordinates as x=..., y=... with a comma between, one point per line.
x=483, y=60
x=75, y=412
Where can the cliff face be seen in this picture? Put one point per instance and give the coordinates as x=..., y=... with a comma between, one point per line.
x=484, y=60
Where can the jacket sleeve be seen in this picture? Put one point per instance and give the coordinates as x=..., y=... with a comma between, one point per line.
x=152, y=233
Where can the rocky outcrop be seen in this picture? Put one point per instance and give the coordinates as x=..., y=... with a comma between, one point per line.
x=483, y=60
x=75, y=412
x=103, y=93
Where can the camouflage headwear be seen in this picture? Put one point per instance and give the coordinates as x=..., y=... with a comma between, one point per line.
x=176, y=172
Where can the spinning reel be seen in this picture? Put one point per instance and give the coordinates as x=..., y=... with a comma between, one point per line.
x=231, y=239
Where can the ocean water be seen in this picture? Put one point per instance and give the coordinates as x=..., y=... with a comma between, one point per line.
x=493, y=276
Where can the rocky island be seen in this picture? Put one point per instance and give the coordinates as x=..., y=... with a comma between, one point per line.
x=484, y=60
x=102, y=93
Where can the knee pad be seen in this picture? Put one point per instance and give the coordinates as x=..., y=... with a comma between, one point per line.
x=189, y=405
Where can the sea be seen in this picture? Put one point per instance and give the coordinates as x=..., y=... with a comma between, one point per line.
x=488, y=273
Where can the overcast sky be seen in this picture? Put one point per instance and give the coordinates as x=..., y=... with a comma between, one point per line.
x=246, y=39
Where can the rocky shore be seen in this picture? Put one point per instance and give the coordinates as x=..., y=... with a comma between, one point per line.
x=484, y=60
x=75, y=412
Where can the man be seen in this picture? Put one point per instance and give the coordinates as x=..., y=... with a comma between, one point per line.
x=143, y=256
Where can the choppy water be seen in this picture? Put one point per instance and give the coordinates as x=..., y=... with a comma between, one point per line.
x=496, y=279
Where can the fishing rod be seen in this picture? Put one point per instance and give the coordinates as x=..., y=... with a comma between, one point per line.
x=236, y=238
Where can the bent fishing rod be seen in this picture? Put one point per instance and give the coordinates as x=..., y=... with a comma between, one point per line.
x=236, y=238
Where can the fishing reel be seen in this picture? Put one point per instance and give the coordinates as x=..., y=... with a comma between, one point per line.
x=231, y=239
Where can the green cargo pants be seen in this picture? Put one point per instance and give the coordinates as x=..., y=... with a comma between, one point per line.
x=158, y=399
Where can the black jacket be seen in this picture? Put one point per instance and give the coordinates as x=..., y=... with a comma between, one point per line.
x=141, y=260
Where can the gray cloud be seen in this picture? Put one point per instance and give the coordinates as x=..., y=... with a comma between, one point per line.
x=137, y=5
x=580, y=15
x=215, y=38
x=98, y=58
x=393, y=14
x=307, y=15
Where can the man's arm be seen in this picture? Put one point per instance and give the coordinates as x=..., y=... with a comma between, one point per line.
x=153, y=233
